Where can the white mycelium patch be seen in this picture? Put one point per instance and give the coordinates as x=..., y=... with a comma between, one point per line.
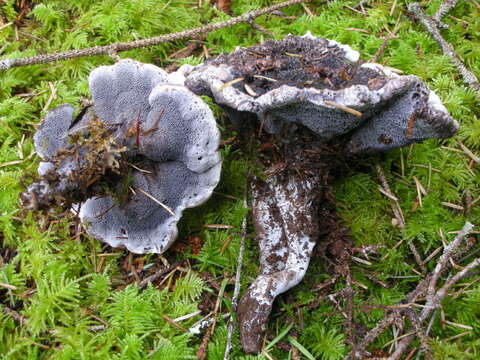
x=350, y=54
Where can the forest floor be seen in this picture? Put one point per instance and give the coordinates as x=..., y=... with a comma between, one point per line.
x=65, y=295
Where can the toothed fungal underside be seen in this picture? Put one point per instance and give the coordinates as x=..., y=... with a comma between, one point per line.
x=145, y=151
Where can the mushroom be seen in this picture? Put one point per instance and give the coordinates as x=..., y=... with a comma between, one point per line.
x=146, y=150
x=319, y=104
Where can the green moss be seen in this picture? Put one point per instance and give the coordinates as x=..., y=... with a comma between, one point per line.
x=77, y=302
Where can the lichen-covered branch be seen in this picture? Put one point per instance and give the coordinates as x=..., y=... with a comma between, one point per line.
x=124, y=46
x=431, y=305
x=444, y=8
x=447, y=254
x=431, y=25
x=426, y=287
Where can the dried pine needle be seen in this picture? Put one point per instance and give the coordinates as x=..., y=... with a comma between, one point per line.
x=141, y=170
x=343, y=107
x=230, y=83
x=452, y=206
x=293, y=55
x=250, y=91
x=264, y=77
x=151, y=197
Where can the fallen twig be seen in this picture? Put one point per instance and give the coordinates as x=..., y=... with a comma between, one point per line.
x=431, y=25
x=188, y=50
x=447, y=254
x=174, y=323
x=417, y=326
x=392, y=35
x=157, y=275
x=382, y=48
x=236, y=290
x=261, y=29
x=444, y=8
x=397, y=211
x=426, y=287
x=349, y=326
x=22, y=320
x=202, y=351
x=6, y=64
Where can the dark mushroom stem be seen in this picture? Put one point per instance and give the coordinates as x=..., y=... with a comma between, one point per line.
x=321, y=86
x=287, y=221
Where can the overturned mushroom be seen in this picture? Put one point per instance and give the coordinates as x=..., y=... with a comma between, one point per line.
x=320, y=104
x=144, y=152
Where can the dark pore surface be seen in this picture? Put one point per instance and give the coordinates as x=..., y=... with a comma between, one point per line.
x=296, y=61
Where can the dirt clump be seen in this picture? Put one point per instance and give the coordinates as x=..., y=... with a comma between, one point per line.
x=296, y=61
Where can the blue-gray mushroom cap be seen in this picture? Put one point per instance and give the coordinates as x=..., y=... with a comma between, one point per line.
x=171, y=137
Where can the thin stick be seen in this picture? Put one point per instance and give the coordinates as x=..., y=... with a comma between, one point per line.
x=15, y=315
x=202, y=351
x=444, y=8
x=124, y=46
x=261, y=29
x=349, y=304
x=430, y=24
x=174, y=323
x=447, y=253
x=397, y=210
x=236, y=290
x=425, y=347
x=420, y=290
x=156, y=275
x=382, y=48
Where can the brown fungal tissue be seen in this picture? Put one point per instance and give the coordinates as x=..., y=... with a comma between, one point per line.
x=316, y=103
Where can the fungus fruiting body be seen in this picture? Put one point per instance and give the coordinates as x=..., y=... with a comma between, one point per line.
x=147, y=148
x=145, y=151
x=318, y=104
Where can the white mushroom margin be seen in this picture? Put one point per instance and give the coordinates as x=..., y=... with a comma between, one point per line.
x=181, y=148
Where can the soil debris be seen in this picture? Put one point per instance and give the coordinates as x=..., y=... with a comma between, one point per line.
x=295, y=61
